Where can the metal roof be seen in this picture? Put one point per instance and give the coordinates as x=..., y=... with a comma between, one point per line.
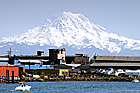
x=17, y=56
x=115, y=64
x=4, y=59
x=73, y=65
x=29, y=61
x=118, y=58
x=72, y=55
x=5, y=64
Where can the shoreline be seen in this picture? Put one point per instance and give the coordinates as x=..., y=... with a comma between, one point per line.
x=112, y=78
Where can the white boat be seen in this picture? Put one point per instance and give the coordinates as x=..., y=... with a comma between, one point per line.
x=135, y=80
x=23, y=87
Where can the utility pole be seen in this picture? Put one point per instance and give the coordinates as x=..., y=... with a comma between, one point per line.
x=9, y=53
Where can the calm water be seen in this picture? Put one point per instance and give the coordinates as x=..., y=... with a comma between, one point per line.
x=75, y=87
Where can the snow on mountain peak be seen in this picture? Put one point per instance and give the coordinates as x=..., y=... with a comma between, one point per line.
x=73, y=30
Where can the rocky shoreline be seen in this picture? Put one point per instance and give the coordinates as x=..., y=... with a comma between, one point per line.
x=108, y=78
x=124, y=79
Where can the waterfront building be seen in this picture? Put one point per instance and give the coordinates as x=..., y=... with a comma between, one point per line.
x=77, y=59
x=7, y=70
x=36, y=64
x=64, y=72
x=57, y=56
x=116, y=62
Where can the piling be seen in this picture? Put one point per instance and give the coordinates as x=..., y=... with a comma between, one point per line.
x=12, y=76
x=7, y=75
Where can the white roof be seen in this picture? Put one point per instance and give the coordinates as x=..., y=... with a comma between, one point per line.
x=132, y=71
x=44, y=60
x=4, y=59
x=30, y=61
x=73, y=65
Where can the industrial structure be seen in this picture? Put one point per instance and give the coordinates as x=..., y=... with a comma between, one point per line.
x=57, y=62
x=48, y=64
x=116, y=62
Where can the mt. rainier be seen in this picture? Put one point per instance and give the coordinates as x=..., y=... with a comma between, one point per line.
x=74, y=32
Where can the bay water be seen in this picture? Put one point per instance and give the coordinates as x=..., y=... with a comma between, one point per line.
x=74, y=87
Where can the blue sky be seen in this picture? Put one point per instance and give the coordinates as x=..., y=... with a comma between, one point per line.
x=118, y=16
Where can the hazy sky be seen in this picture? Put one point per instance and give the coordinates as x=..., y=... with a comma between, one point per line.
x=118, y=16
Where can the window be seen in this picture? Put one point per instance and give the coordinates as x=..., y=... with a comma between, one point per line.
x=63, y=73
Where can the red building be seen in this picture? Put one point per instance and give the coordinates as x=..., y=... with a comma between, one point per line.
x=17, y=70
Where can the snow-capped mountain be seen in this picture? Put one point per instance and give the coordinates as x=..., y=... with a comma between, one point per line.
x=73, y=31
